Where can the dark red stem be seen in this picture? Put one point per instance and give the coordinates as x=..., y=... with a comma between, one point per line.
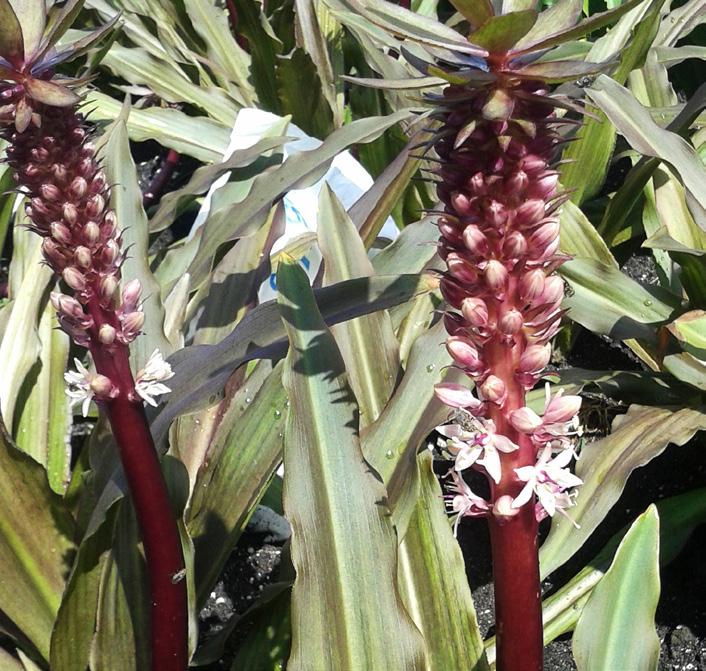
x=160, y=536
x=233, y=20
x=161, y=178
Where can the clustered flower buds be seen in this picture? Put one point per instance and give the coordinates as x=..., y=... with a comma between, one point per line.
x=500, y=241
x=55, y=166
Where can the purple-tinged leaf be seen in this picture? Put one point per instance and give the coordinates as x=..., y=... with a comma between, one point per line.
x=32, y=17
x=501, y=33
x=590, y=24
x=50, y=93
x=561, y=71
x=477, y=12
x=11, y=42
x=59, y=21
x=396, y=84
x=561, y=16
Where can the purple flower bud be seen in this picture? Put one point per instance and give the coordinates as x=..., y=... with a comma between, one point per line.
x=106, y=334
x=517, y=182
x=496, y=214
x=475, y=240
x=74, y=278
x=50, y=192
x=462, y=269
x=543, y=187
x=535, y=358
x=82, y=256
x=109, y=225
x=542, y=238
x=450, y=231
x=132, y=322
x=515, y=245
x=53, y=253
x=452, y=291
x=98, y=182
x=59, y=172
x=530, y=212
x=461, y=204
x=561, y=409
x=453, y=323
x=475, y=311
x=511, y=322
x=493, y=389
x=67, y=305
x=78, y=187
x=495, y=276
x=131, y=295
x=477, y=185
x=533, y=164
x=525, y=420
x=110, y=253
x=60, y=233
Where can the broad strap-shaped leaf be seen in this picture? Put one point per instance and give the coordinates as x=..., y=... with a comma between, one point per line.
x=579, y=237
x=617, y=628
x=367, y=344
x=634, y=122
x=605, y=465
x=432, y=579
x=607, y=301
x=35, y=545
x=346, y=611
x=201, y=371
x=126, y=200
x=476, y=12
x=11, y=42
x=501, y=33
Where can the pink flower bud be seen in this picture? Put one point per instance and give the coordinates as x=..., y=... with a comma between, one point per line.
x=443, y=249
x=553, y=291
x=495, y=276
x=39, y=210
x=98, y=182
x=532, y=284
x=475, y=240
x=132, y=322
x=493, y=389
x=67, y=305
x=95, y=206
x=533, y=164
x=108, y=287
x=456, y=395
x=109, y=225
x=496, y=214
x=535, y=358
x=543, y=187
x=74, y=278
x=475, y=311
x=530, y=212
x=462, y=269
x=131, y=295
x=59, y=172
x=517, y=182
x=50, y=192
x=461, y=204
x=53, y=253
x=110, y=253
x=561, y=409
x=102, y=387
x=464, y=353
x=450, y=231
x=91, y=232
x=78, y=187
x=542, y=238
x=82, y=256
x=511, y=322
x=453, y=323
x=477, y=185
x=106, y=334
x=525, y=420
x=515, y=245
x=60, y=233
x=70, y=213
x=452, y=291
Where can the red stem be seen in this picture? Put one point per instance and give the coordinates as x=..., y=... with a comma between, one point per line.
x=162, y=176
x=160, y=536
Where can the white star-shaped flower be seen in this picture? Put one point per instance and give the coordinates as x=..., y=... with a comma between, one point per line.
x=149, y=380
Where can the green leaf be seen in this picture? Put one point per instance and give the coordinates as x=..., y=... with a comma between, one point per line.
x=200, y=137
x=634, y=122
x=432, y=576
x=579, y=237
x=559, y=17
x=555, y=72
x=605, y=465
x=32, y=15
x=201, y=371
x=346, y=612
x=367, y=344
x=35, y=546
x=617, y=627
x=607, y=301
x=243, y=455
x=126, y=200
x=44, y=422
x=11, y=43
x=60, y=19
x=690, y=330
x=50, y=93
x=477, y=12
x=501, y=33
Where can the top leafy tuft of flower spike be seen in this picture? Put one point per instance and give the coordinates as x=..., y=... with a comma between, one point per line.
x=29, y=55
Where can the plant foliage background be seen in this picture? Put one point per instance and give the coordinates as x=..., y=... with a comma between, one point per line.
x=336, y=382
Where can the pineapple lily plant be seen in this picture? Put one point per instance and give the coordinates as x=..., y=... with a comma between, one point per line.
x=414, y=391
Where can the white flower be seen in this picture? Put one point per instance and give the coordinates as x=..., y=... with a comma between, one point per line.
x=148, y=382
x=475, y=441
x=463, y=502
x=548, y=479
x=83, y=386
